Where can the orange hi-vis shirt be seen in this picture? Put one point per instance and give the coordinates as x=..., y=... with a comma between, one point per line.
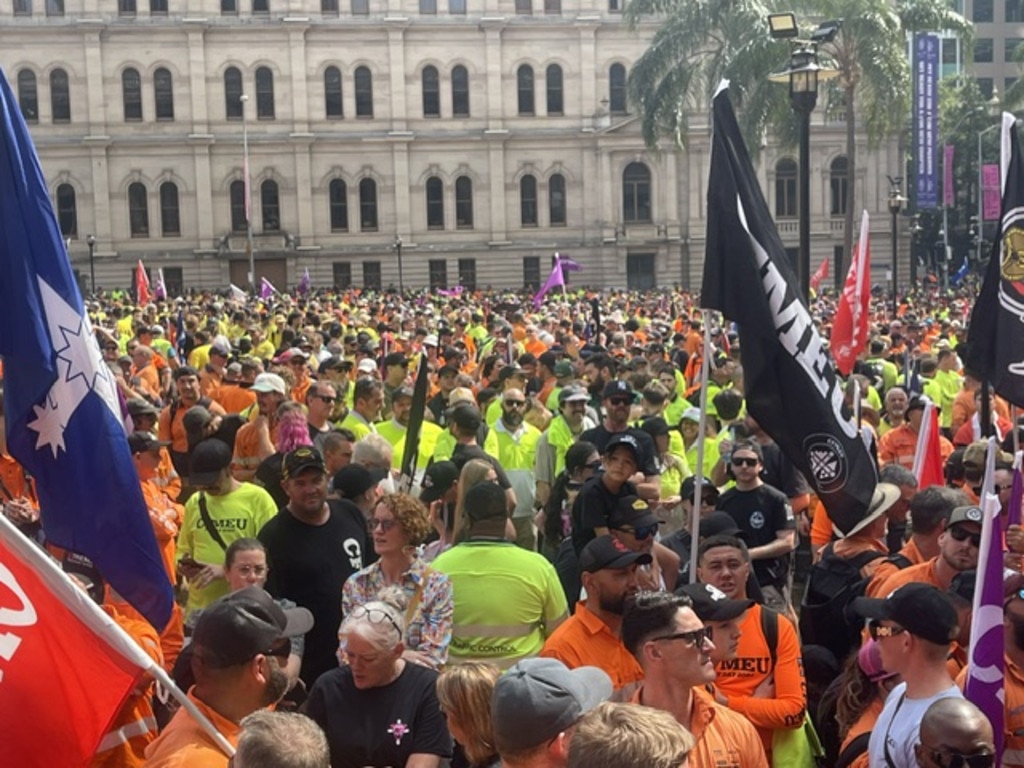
x=1013, y=719
x=738, y=678
x=14, y=482
x=922, y=572
x=209, y=382
x=149, y=381
x=584, y=640
x=887, y=568
x=247, y=447
x=724, y=738
x=175, y=432
x=234, y=398
x=897, y=446
x=298, y=393
x=185, y=744
x=167, y=477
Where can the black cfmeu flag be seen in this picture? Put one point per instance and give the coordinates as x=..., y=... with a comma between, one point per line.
x=790, y=384
x=996, y=333
x=415, y=426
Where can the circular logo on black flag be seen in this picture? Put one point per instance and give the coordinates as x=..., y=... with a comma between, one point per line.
x=828, y=462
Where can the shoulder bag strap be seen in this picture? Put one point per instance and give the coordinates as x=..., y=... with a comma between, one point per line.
x=204, y=512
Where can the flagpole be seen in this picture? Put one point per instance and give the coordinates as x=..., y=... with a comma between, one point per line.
x=698, y=483
x=248, y=196
x=923, y=438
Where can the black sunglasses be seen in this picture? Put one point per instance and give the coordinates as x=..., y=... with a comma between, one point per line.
x=643, y=532
x=740, y=461
x=283, y=650
x=620, y=400
x=945, y=759
x=962, y=534
x=594, y=465
x=696, y=637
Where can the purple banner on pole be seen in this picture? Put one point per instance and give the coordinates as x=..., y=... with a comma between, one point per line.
x=926, y=106
x=947, y=176
x=991, y=196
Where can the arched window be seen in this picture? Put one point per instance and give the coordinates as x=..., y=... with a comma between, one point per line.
x=238, y=222
x=67, y=210
x=131, y=94
x=233, y=93
x=270, y=206
x=170, y=219
x=785, y=188
x=839, y=186
x=28, y=95
x=338, y=192
x=60, y=96
x=617, y=89
x=138, y=210
x=431, y=92
x=163, y=91
x=464, y=203
x=333, y=105
x=556, y=200
x=553, y=79
x=364, y=92
x=524, y=89
x=528, y=201
x=460, y=91
x=368, y=205
x=435, y=203
x=636, y=193
x=264, y=94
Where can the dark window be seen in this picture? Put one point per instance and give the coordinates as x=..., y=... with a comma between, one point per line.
x=368, y=205
x=170, y=218
x=460, y=91
x=28, y=95
x=174, y=281
x=364, y=92
x=264, y=94
x=371, y=275
x=157, y=7
x=556, y=200
x=553, y=78
x=22, y=7
x=261, y=7
x=431, y=92
x=342, y=274
x=983, y=50
x=437, y=269
x=528, y=201
x=524, y=88
x=950, y=50
x=552, y=7
x=636, y=193
x=617, y=89
x=233, y=93
x=60, y=96
x=531, y=272
x=229, y=7
x=238, y=206
x=985, y=86
x=838, y=186
x=467, y=274
x=338, y=191
x=360, y=7
x=1014, y=10
x=1009, y=46
x=524, y=7
x=333, y=104
x=131, y=93
x=329, y=7
x=54, y=7
x=457, y=7
x=67, y=210
x=428, y=7
x=163, y=90
x=785, y=188
x=138, y=210
x=640, y=274
x=270, y=206
x=464, y=203
x=614, y=6
x=983, y=10
x=126, y=7
x=435, y=203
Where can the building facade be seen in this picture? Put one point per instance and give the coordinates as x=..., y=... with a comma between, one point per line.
x=451, y=142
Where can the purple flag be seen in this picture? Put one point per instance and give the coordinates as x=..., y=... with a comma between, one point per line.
x=456, y=291
x=985, y=686
x=160, y=291
x=947, y=176
x=555, y=279
x=304, y=283
x=569, y=265
x=991, y=193
x=267, y=288
x=1014, y=514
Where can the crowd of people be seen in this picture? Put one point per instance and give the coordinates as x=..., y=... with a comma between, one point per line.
x=504, y=571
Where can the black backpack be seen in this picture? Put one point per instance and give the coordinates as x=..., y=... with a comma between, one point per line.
x=833, y=584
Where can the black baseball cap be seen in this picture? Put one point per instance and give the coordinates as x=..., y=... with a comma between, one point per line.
x=617, y=388
x=629, y=441
x=139, y=442
x=632, y=510
x=922, y=609
x=437, y=479
x=396, y=358
x=209, y=458
x=712, y=604
x=608, y=552
x=706, y=486
x=298, y=461
x=718, y=523
x=354, y=480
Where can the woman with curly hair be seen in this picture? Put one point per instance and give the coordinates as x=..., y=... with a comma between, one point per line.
x=399, y=525
x=464, y=692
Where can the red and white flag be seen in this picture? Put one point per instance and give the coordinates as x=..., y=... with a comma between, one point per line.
x=850, y=327
x=65, y=666
x=142, y=285
x=820, y=274
x=928, y=455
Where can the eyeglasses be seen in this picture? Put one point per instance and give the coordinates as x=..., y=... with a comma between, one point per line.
x=877, y=630
x=695, y=637
x=742, y=461
x=962, y=534
x=709, y=500
x=946, y=759
x=384, y=525
x=377, y=616
x=620, y=401
x=643, y=532
x=593, y=465
x=326, y=399
x=515, y=403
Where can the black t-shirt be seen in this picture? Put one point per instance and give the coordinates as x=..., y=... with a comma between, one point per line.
x=464, y=453
x=309, y=565
x=600, y=437
x=779, y=472
x=760, y=514
x=591, y=508
x=379, y=726
x=438, y=405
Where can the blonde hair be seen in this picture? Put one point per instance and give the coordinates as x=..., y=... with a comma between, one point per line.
x=616, y=735
x=473, y=472
x=410, y=514
x=464, y=692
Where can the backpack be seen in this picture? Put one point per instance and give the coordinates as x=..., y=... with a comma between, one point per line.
x=833, y=584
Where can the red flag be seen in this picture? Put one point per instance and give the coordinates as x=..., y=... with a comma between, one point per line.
x=62, y=660
x=928, y=455
x=819, y=275
x=142, y=285
x=850, y=328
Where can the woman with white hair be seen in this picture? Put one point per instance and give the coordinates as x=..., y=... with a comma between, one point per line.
x=379, y=709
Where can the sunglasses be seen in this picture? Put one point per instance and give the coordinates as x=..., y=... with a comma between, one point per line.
x=282, y=651
x=643, y=532
x=377, y=616
x=695, y=638
x=384, y=525
x=593, y=465
x=515, y=403
x=961, y=534
x=945, y=759
x=744, y=462
x=709, y=500
x=876, y=630
x=326, y=399
x=620, y=401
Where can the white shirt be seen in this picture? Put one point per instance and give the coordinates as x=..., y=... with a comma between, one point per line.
x=899, y=726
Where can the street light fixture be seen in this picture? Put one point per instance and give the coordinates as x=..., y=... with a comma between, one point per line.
x=91, y=242
x=246, y=181
x=994, y=109
x=895, y=206
x=803, y=75
x=397, y=244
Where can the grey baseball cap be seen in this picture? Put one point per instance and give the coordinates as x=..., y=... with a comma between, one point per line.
x=539, y=698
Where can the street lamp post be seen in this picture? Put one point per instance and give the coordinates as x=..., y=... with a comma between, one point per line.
x=248, y=196
x=993, y=111
x=895, y=205
x=398, y=250
x=91, y=242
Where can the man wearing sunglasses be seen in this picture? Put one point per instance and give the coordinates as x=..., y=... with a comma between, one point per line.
x=914, y=628
x=956, y=734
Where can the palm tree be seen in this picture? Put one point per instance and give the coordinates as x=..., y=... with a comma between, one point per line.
x=701, y=42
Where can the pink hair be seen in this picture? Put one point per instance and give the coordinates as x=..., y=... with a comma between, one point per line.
x=292, y=431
